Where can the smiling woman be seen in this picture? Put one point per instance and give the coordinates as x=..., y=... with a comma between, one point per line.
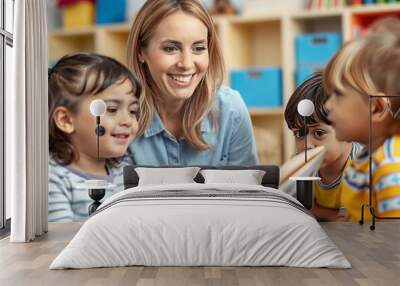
x=187, y=117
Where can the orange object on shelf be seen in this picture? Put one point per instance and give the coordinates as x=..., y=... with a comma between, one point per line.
x=79, y=15
x=361, y=22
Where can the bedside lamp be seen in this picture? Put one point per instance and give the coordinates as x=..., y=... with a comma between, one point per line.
x=97, y=188
x=305, y=108
x=304, y=192
x=97, y=108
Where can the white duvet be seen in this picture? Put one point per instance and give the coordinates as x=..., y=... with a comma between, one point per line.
x=225, y=225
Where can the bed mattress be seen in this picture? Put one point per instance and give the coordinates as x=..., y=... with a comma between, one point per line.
x=201, y=225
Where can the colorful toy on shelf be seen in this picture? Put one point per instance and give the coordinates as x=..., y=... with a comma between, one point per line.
x=361, y=23
x=110, y=11
x=223, y=7
x=321, y=4
x=326, y=4
x=77, y=13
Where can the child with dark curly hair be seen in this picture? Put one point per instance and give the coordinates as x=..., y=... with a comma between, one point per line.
x=74, y=82
x=320, y=133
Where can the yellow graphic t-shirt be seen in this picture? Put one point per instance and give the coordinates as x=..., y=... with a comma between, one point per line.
x=328, y=196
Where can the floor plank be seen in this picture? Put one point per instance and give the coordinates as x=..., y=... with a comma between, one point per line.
x=374, y=255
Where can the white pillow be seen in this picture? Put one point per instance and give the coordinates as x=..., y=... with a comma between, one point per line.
x=248, y=177
x=163, y=176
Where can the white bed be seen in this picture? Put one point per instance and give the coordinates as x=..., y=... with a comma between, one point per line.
x=201, y=224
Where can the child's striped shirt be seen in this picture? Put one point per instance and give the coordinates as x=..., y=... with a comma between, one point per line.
x=67, y=202
x=385, y=181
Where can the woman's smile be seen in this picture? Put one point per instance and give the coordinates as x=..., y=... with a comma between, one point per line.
x=181, y=80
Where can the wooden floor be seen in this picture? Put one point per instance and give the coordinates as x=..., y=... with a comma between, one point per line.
x=374, y=255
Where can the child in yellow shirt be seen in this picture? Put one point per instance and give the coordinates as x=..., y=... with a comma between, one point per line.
x=327, y=191
x=368, y=67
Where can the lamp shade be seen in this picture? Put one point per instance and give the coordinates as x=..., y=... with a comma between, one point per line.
x=305, y=107
x=98, y=107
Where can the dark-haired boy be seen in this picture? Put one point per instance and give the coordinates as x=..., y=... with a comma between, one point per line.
x=327, y=191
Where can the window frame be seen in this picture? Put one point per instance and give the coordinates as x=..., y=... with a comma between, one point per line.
x=6, y=39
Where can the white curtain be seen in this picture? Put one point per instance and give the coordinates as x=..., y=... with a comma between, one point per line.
x=26, y=123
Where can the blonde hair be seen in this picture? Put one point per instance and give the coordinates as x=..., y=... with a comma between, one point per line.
x=387, y=24
x=200, y=104
x=383, y=54
x=370, y=66
x=344, y=71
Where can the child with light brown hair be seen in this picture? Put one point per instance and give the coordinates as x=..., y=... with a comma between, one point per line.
x=364, y=68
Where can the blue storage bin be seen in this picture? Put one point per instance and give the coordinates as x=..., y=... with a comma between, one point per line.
x=259, y=87
x=316, y=48
x=302, y=73
x=110, y=11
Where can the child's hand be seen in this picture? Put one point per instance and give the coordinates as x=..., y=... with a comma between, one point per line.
x=328, y=214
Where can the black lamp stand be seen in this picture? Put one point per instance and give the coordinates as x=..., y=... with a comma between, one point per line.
x=97, y=194
x=304, y=185
x=304, y=193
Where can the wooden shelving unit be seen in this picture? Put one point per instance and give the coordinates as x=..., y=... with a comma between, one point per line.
x=247, y=41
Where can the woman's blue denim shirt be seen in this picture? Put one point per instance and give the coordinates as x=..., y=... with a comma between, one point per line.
x=233, y=140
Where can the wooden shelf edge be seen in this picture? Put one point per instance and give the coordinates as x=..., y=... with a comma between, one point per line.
x=362, y=9
x=75, y=31
x=245, y=19
x=376, y=8
x=118, y=27
x=266, y=111
x=89, y=30
x=255, y=19
x=318, y=13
